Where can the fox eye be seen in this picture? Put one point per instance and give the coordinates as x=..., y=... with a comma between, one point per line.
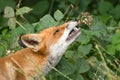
x=56, y=31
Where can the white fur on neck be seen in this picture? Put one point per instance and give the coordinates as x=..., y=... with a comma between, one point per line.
x=58, y=49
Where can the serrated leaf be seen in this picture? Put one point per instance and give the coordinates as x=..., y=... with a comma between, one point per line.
x=84, y=49
x=12, y=23
x=99, y=32
x=82, y=65
x=99, y=27
x=19, y=30
x=79, y=77
x=58, y=15
x=83, y=38
x=23, y=10
x=23, y=30
x=9, y=12
x=29, y=28
x=45, y=22
x=66, y=67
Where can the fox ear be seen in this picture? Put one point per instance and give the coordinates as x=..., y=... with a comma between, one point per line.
x=32, y=41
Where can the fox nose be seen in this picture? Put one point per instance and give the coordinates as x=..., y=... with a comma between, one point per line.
x=75, y=20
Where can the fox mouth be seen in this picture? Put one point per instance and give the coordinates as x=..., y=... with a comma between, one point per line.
x=73, y=33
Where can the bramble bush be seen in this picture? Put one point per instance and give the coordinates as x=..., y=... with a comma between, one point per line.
x=95, y=55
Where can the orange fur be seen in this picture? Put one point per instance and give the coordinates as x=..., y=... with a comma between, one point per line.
x=23, y=64
x=20, y=59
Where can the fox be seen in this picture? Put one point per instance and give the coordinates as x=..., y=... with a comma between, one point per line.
x=42, y=51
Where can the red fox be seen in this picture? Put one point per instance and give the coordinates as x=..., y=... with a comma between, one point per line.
x=43, y=51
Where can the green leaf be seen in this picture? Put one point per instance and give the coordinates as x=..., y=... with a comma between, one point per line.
x=116, y=38
x=99, y=27
x=111, y=49
x=45, y=22
x=83, y=50
x=58, y=15
x=4, y=3
x=29, y=28
x=83, y=38
x=23, y=30
x=23, y=10
x=83, y=4
x=116, y=12
x=117, y=47
x=66, y=67
x=69, y=54
x=82, y=65
x=104, y=7
x=1, y=50
x=79, y=77
x=119, y=24
x=4, y=32
x=99, y=33
x=19, y=30
x=9, y=12
x=12, y=23
x=40, y=7
x=76, y=76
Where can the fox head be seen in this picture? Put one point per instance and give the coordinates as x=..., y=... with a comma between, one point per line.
x=56, y=38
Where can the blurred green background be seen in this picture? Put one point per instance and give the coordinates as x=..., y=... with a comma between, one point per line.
x=95, y=55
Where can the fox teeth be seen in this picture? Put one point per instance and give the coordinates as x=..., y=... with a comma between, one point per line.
x=75, y=29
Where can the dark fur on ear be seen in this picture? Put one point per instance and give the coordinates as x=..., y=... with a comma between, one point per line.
x=21, y=43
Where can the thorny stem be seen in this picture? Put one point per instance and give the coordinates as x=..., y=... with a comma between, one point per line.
x=101, y=55
x=51, y=6
x=21, y=15
x=18, y=5
x=69, y=7
x=20, y=25
x=104, y=63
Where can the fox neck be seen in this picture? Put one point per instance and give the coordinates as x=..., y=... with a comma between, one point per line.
x=56, y=52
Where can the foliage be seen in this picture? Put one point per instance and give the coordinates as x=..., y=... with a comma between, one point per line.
x=95, y=55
